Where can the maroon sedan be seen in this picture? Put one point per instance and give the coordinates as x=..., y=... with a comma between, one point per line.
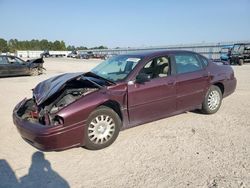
x=89, y=109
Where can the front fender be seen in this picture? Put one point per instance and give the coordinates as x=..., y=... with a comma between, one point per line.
x=34, y=63
x=80, y=110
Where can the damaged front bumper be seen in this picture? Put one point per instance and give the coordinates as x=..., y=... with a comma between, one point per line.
x=48, y=137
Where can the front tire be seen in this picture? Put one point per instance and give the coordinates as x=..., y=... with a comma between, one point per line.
x=212, y=101
x=102, y=128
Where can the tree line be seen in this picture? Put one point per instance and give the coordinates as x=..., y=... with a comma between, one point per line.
x=13, y=45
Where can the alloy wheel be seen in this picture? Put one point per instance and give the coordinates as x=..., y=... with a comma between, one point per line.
x=214, y=100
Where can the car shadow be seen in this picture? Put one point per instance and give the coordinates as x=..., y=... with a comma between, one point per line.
x=197, y=111
x=40, y=175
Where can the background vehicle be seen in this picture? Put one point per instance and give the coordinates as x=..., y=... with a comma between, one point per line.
x=14, y=66
x=47, y=54
x=240, y=54
x=89, y=109
x=225, y=53
x=100, y=56
x=90, y=54
x=73, y=54
x=83, y=56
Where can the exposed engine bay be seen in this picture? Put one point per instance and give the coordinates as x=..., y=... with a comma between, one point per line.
x=68, y=97
x=45, y=113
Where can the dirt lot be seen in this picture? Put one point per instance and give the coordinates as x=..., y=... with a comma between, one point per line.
x=188, y=150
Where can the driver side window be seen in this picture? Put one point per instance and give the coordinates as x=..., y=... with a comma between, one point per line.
x=11, y=60
x=14, y=60
x=157, y=67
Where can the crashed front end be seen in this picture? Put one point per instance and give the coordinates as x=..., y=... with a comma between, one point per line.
x=36, y=64
x=37, y=118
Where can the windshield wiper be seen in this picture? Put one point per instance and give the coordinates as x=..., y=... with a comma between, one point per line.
x=105, y=79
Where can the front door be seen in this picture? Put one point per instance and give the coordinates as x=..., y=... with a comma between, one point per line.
x=154, y=98
x=17, y=66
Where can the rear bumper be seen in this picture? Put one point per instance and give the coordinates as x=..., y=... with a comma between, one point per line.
x=48, y=138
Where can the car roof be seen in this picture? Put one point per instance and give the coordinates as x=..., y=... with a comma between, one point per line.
x=7, y=56
x=151, y=53
x=241, y=43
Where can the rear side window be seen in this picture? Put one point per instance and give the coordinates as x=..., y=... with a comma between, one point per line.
x=187, y=63
x=204, y=60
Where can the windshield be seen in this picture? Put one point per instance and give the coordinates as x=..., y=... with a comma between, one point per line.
x=116, y=68
x=238, y=48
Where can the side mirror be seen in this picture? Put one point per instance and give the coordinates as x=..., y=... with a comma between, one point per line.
x=142, y=77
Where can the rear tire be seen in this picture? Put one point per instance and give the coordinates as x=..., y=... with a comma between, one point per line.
x=212, y=101
x=241, y=61
x=102, y=128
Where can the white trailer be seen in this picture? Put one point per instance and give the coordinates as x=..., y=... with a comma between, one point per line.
x=36, y=54
x=55, y=53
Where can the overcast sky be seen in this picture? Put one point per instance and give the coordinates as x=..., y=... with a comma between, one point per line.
x=126, y=23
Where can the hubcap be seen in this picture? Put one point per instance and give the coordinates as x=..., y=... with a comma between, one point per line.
x=101, y=129
x=213, y=100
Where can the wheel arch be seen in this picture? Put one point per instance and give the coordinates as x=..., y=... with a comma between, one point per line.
x=221, y=86
x=114, y=105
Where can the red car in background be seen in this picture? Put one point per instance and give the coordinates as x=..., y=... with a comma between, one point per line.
x=89, y=109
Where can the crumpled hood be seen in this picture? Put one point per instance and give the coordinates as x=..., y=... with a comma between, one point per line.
x=33, y=63
x=49, y=87
x=38, y=60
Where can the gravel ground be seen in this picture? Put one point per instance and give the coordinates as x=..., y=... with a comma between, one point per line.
x=187, y=150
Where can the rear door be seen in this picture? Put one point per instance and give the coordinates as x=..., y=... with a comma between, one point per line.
x=155, y=98
x=192, y=81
